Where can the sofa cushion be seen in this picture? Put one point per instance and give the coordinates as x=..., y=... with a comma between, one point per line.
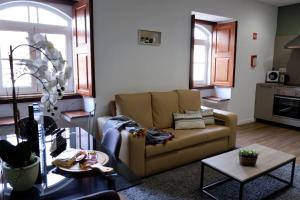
x=207, y=115
x=188, y=100
x=164, y=104
x=188, y=121
x=187, y=138
x=136, y=106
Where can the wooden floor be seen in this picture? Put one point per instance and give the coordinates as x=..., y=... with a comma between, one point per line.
x=283, y=139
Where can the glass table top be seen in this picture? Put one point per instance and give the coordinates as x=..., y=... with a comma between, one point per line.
x=58, y=184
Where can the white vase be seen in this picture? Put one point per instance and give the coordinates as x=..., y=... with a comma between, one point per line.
x=23, y=178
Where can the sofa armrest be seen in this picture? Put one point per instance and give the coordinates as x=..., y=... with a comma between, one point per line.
x=229, y=119
x=132, y=151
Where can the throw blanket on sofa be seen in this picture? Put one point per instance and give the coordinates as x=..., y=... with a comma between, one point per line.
x=153, y=135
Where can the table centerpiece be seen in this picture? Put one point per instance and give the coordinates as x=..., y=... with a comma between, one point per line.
x=21, y=164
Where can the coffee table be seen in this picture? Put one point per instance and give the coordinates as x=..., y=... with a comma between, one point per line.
x=228, y=164
x=58, y=184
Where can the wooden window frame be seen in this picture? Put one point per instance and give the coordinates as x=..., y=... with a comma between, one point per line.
x=90, y=90
x=30, y=29
x=192, y=84
x=34, y=97
x=66, y=2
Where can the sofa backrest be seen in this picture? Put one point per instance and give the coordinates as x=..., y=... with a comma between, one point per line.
x=155, y=109
x=136, y=106
x=188, y=100
x=164, y=104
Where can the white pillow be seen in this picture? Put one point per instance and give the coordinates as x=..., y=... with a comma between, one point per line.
x=207, y=115
x=188, y=121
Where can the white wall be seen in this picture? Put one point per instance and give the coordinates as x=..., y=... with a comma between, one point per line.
x=124, y=66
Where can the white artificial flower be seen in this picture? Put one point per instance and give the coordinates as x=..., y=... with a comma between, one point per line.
x=50, y=70
x=50, y=84
x=48, y=75
x=38, y=38
x=49, y=45
x=44, y=98
x=53, y=99
x=59, y=66
x=43, y=68
x=41, y=45
x=61, y=82
x=52, y=54
x=68, y=73
x=29, y=63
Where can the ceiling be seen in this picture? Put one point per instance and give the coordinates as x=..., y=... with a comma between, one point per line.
x=280, y=2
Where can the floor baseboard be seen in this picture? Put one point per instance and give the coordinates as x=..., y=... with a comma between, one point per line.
x=245, y=121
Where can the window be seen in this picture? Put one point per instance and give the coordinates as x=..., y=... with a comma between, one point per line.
x=202, y=54
x=212, y=59
x=31, y=18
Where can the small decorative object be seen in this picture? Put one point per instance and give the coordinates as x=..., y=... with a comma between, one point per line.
x=149, y=37
x=253, y=61
x=248, y=157
x=48, y=67
x=32, y=128
x=272, y=76
x=254, y=36
x=283, y=78
x=59, y=142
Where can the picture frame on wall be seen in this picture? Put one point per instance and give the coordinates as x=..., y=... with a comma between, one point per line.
x=146, y=37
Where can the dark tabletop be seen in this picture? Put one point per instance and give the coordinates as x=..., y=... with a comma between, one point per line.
x=58, y=184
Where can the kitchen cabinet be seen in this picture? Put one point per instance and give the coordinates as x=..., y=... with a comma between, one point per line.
x=264, y=100
x=286, y=108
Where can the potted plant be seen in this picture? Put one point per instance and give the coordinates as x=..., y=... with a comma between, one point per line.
x=21, y=164
x=248, y=157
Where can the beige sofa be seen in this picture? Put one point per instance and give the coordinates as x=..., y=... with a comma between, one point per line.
x=154, y=109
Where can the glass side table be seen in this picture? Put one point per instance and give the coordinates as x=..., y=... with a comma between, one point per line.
x=58, y=184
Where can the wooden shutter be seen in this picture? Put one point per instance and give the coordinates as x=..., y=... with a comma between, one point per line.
x=223, y=54
x=83, y=48
x=191, y=82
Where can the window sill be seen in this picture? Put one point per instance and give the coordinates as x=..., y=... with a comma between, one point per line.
x=70, y=115
x=203, y=87
x=215, y=99
x=34, y=97
x=6, y=121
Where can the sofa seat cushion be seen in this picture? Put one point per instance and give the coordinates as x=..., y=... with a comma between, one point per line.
x=186, y=138
x=136, y=106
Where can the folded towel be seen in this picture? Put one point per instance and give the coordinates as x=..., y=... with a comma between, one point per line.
x=67, y=158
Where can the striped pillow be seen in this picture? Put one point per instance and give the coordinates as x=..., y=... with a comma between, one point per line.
x=188, y=121
x=207, y=115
